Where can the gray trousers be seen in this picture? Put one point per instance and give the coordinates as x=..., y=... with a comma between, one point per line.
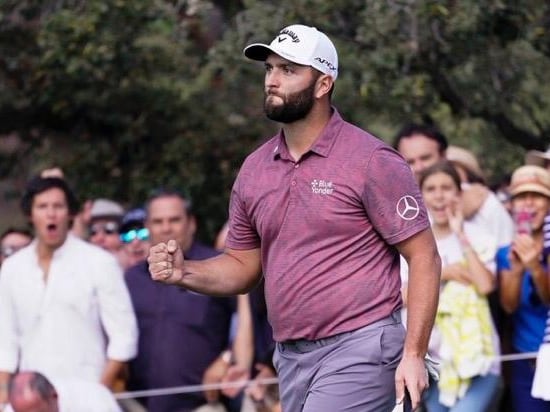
x=350, y=372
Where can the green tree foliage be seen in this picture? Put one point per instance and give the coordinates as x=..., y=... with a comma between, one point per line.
x=129, y=95
x=479, y=69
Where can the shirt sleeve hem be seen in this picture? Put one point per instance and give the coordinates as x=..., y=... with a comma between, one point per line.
x=410, y=232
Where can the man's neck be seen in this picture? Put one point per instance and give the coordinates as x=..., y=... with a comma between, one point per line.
x=45, y=255
x=302, y=134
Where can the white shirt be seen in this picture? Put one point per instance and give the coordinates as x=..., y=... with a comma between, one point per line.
x=493, y=217
x=70, y=325
x=75, y=395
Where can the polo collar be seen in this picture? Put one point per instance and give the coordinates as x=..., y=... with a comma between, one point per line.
x=322, y=145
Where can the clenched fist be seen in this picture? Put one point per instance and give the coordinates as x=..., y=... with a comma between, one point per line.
x=166, y=262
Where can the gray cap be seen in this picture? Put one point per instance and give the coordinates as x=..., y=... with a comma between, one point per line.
x=105, y=208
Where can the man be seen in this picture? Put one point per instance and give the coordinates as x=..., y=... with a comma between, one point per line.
x=422, y=146
x=64, y=308
x=325, y=209
x=33, y=392
x=182, y=335
x=104, y=227
x=135, y=237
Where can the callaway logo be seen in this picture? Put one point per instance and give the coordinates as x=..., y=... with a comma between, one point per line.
x=290, y=33
x=407, y=208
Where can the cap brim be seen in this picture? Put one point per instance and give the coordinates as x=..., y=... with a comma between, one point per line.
x=258, y=51
x=133, y=224
x=530, y=188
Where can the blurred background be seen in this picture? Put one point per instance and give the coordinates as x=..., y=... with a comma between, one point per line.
x=129, y=95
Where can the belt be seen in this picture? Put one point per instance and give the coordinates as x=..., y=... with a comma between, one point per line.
x=306, y=345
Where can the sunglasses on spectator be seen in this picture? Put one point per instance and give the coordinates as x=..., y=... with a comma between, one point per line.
x=108, y=228
x=139, y=234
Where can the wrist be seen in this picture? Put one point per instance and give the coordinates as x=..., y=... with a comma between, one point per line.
x=464, y=242
x=227, y=357
x=535, y=267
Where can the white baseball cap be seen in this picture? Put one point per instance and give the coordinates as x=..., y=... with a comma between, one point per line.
x=302, y=45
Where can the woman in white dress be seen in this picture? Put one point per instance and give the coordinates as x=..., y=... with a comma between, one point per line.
x=464, y=339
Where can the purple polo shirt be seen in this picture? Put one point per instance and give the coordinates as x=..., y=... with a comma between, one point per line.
x=326, y=225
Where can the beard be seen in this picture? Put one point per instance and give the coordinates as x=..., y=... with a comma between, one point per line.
x=295, y=106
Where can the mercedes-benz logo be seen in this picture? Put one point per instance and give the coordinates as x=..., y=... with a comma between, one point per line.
x=407, y=208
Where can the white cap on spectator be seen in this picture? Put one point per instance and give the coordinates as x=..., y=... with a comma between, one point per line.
x=105, y=208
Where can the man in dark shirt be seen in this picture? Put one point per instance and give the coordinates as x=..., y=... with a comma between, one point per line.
x=181, y=333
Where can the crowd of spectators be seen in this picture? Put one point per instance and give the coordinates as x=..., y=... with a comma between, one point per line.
x=78, y=306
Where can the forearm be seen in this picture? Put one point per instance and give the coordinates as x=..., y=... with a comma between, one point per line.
x=4, y=379
x=472, y=199
x=478, y=275
x=111, y=372
x=510, y=289
x=243, y=345
x=475, y=270
x=423, y=295
x=541, y=279
x=226, y=274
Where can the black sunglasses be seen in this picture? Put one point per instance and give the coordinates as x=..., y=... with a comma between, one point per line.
x=108, y=228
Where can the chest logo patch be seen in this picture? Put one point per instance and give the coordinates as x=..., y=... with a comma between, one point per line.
x=321, y=187
x=407, y=208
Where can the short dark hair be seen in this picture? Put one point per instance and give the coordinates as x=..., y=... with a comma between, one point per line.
x=443, y=166
x=38, y=383
x=169, y=192
x=39, y=185
x=430, y=131
x=12, y=229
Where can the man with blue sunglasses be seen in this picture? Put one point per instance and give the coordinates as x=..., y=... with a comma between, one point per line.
x=134, y=237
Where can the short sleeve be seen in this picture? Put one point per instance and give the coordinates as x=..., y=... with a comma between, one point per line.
x=503, y=262
x=391, y=197
x=242, y=234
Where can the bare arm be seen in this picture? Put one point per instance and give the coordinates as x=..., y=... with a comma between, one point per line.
x=4, y=379
x=525, y=255
x=243, y=345
x=231, y=273
x=237, y=367
x=476, y=272
x=510, y=288
x=473, y=198
x=112, y=371
x=424, y=262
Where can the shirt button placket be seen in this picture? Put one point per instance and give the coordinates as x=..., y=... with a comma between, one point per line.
x=296, y=166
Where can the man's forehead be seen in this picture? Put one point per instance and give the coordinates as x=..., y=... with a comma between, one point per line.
x=275, y=60
x=419, y=143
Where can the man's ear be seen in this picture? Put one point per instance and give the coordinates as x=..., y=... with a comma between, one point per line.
x=324, y=85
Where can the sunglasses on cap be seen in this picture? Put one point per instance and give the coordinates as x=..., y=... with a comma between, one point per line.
x=108, y=228
x=139, y=234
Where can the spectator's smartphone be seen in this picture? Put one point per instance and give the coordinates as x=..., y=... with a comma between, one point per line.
x=522, y=221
